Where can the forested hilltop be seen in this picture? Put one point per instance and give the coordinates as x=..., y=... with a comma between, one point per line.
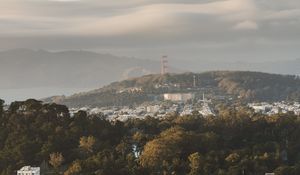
x=235, y=142
x=241, y=85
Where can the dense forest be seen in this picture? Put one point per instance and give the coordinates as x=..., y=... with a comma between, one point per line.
x=241, y=85
x=236, y=142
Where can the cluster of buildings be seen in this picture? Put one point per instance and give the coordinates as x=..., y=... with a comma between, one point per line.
x=155, y=110
x=130, y=90
x=175, y=103
x=275, y=108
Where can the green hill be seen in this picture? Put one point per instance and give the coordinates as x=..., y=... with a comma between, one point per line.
x=241, y=85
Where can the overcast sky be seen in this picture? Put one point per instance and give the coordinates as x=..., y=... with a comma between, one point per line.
x=250, y=30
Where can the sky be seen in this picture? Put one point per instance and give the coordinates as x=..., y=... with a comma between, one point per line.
x=239, y=30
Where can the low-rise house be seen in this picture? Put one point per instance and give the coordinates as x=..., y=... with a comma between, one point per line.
x=28, y=170
x=176, y=97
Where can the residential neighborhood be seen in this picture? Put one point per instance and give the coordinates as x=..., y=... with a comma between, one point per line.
x=276, y=107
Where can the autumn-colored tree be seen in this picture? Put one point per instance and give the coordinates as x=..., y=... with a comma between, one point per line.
x=56, y=160
x=74, y=169
x=159, y=153
x=232, y=158
x=195, y=163
x=87, y=143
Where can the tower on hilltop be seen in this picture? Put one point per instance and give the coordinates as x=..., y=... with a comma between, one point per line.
x=164, y=65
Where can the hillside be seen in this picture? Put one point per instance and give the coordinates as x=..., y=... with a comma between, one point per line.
x=288, y=66
x=25, y=68
x=249, y=86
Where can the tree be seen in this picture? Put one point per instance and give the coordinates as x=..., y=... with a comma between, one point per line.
x=1, y=105
x=284, y=170
x=158, y=154
x=74, y=169
x=233, y=158
x=195, y=163
x=1, y=110
x=87, y=143
x=56, y=160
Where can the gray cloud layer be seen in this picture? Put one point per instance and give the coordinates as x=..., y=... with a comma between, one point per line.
x=212, y=29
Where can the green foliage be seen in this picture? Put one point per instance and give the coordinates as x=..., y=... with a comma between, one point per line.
x=1, y=105
x=195, y=163
x=233, y=143
x=160, y=153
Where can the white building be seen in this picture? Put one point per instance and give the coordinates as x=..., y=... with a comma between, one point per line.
x=179, y=97
x=153, y=109
x=28, y=170
x=206, y=110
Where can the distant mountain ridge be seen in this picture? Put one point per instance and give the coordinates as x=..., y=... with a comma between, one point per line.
x=25, y=68
x=287, y=67
x=244, y=85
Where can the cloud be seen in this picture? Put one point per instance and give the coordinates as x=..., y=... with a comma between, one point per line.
x=64, y=0
x=164, y=17
x=131, y=24
x=111, y=18
x=283, y=14
x=246, y=25
x=126, y=20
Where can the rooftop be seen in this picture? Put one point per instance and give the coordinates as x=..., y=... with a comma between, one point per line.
x=29, y=168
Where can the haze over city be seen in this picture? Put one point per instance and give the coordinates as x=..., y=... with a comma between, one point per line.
x=196, y=35
x=149, y=87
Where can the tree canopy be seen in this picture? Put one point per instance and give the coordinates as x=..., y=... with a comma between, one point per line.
x=232, y=143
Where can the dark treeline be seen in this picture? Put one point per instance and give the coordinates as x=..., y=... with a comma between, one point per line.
x=236, y=142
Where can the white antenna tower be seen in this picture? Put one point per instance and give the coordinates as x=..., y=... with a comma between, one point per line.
x=164, y=65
